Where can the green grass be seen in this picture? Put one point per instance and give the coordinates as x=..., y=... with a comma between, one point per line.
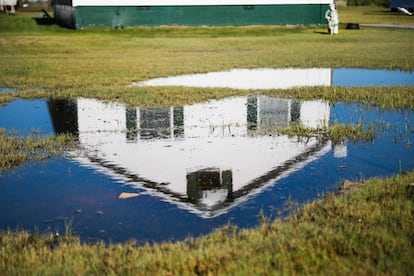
x=336, y=132
x=15, y=150
x=49, y=61
x=352, y=132
x=369, y=231
x=57, y=60
x=388, y=97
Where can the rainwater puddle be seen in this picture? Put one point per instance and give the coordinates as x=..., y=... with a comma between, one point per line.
x=267, y=78
x=186, y=170
x=6, y=89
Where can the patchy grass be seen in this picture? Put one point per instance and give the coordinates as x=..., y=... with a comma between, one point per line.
x=336, y=132
x=15, y=151
x=352, y=132
x=369, y=231
x=388, y=97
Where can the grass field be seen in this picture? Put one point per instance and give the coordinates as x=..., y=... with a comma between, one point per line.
x=369, y=231
x=102, y=63
x=50, y=57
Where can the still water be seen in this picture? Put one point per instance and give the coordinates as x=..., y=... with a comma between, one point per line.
x=191, y=168
x=270, y=78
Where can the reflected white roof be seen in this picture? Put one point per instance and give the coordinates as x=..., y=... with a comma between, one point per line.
x=262, y=78
x=215, y=135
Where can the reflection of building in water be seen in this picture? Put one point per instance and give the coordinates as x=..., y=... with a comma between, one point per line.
x=259, y=78
x=218, y=118
x=201, y=157
x=64, y=115
x=208, y=186
x=268, y=113
x=152, y=123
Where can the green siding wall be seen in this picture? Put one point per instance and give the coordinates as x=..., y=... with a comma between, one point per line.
x=200, y=15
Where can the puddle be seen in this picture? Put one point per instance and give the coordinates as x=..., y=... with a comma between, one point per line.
x=199, y=148
x=370, y=77
x=267, y=78
x=193, y=167
x=6, y=89
x=23, y=117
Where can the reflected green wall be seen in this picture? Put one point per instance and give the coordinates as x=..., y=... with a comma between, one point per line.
x=88, y=16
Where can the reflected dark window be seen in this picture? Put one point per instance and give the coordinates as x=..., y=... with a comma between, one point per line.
x=227, y=182
x=64, y=115
x=131, y=124
x=274, y=112
x=295, y=111
x=155, y=123
x=252, y=113
x=208, y=180
x=178, y=122
x=267, y=113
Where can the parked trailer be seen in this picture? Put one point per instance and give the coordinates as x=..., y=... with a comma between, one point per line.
x=80, y=14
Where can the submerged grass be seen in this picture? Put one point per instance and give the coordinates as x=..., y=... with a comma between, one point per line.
x=336, y=132
x=369, y=231
x=15, y=150
x=352, y=132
